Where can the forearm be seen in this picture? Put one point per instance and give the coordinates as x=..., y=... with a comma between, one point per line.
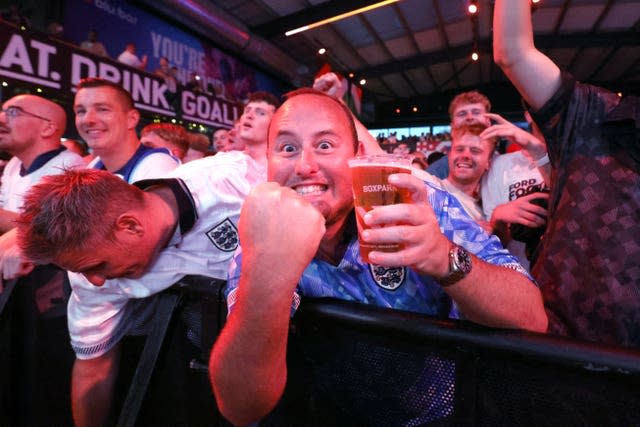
x=248, y=361
x=92, y=385
x=371, y=145
x=7, y=220
x=535, y=76
x=499, y=297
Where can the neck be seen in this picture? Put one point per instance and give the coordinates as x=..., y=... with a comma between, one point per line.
x=116, y=157
x=29, y=155
x=470, y=189
x=334, y=244
x=257, y=152
x=164, y=206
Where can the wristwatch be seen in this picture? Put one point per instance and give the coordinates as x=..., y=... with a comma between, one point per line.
x=459, y=266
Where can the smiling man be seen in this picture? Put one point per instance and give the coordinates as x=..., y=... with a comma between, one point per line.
x=469, y=159
x=106, y=119
x=299, y=240
x=124, y=243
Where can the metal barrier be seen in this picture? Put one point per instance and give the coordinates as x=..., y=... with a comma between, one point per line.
x=352, y=364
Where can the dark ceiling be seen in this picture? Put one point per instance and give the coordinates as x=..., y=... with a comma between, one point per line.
x=417, y=52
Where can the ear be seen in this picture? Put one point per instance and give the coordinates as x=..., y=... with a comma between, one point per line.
x=49, y=129
x=128, y=225
x=133, y=117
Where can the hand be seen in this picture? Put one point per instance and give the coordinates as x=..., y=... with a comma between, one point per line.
x=522, y=211
x=12, y=262
x=277, y=227
x=330, y=84
x=505, y=129
x=413, y=225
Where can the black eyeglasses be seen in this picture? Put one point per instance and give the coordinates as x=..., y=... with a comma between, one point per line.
x=14, y=111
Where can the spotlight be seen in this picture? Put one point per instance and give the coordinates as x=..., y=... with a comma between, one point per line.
x=322, y=51
x=363, y=82
x=415, y=109
x=473, y=7
x=474, y=56
x=619, y=94
x=397, y=111
x=351, y=75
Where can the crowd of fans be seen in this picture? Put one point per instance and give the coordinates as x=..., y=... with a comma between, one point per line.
x=134, y=214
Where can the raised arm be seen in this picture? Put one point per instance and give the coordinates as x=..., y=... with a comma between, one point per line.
x=534, y=75
x=248, y=362
x=330, y=84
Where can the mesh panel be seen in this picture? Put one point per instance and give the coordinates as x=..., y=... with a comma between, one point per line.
x=340, y=376
x=353, y=373
x=516, y=391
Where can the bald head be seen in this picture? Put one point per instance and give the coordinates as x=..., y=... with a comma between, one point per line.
x=44, y=108
x=30, y=125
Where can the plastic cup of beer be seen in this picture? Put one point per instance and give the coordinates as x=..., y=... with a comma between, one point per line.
x=371, y=188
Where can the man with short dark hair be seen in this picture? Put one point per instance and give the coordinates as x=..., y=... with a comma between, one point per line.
x=106, y=119
x=299, y=239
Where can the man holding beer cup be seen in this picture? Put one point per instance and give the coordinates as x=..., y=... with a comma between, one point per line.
x=299, y=238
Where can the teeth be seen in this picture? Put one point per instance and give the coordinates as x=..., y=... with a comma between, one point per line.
x=305, y=190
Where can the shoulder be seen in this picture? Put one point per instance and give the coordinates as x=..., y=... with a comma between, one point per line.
x=230, y=172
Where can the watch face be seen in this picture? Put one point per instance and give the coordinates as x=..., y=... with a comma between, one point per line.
x=463, y=260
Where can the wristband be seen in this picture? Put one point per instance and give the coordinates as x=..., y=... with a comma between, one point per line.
x=544, y=160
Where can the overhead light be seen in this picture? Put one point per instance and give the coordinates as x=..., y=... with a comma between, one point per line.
x=351, y=75
x=619, y=94
x=363, y=82
x=473, y=7
x=475, y=56
x=322, y=51
x=397, y=111
x=535, y=1
x=339, y=17
x=415, y=109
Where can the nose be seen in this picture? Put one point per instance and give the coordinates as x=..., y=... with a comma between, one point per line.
x=88, y=116
x=306, y=164
x=96, y=279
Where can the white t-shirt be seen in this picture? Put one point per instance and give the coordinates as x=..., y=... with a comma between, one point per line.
x=14, y=186
x=129, y=58
x=510, y=177
x=100, y=316
x=153, y=165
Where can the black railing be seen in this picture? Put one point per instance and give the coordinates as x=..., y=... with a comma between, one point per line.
x=352, y=364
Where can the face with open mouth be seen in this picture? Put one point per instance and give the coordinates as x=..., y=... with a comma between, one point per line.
x=309, y=144
x=469, y=158
x=254, y=122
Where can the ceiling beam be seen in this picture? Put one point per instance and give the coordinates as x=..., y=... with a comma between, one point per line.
x=308, y=15
x=587, y=40
x=414, y=43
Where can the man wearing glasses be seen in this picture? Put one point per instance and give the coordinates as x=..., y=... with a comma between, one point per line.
x=30, y=130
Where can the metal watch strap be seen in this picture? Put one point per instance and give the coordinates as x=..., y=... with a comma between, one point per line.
x=459, y=266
